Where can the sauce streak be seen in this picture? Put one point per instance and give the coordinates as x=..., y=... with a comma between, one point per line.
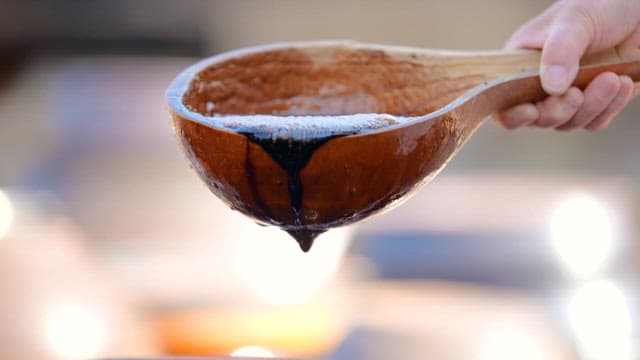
x=290, y=102
x=292, y=155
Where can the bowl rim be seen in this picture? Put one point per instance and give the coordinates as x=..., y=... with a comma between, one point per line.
x=180, y=84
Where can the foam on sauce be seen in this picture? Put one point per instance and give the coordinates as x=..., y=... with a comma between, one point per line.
x=304, y=127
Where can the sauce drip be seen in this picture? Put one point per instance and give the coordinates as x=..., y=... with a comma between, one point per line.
x=290, y=102
x=292, y=155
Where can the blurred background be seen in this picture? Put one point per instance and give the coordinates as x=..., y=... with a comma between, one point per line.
x=525, y=247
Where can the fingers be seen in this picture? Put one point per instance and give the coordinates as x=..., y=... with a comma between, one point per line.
x=630, y=47
x=592, y=109
x=518, y=116
x=552, y=112
x=566, y=32
x=568, y=40
x=617, y=104
x=597, y=97
x=557, y=110
x=532, y=34
x=636, y=90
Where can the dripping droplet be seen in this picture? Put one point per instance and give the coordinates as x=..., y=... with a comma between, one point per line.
x=305, y=237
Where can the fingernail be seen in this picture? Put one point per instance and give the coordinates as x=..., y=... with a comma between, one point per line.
x=555, y=79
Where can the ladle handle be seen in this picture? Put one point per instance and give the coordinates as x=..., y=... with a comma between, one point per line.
x=623, y=61
x=510, y=62
x=523, y=86
x=608, y=56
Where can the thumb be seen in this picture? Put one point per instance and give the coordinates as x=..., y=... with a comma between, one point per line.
x=532, y=34
x=568, y=39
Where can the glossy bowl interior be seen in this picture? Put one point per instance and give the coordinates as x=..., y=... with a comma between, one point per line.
x=363, y=163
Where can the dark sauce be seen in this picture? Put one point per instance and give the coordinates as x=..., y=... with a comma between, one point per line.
x=293, y=155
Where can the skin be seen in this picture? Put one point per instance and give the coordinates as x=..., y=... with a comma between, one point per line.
x=565, y=32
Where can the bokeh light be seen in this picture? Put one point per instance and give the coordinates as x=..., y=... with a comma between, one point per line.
x=582, y=234
x=252, y=351
x=75, y=331
x=270, y=263
x=601, y=320
x=506, y=341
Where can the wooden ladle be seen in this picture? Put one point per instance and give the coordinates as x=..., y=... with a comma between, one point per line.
x=308, y=136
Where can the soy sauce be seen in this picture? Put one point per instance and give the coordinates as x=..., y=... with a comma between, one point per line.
x=293, y=155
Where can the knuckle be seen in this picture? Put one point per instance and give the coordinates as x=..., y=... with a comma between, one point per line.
x=574, y=99
x=556, y=115
x=590, y=20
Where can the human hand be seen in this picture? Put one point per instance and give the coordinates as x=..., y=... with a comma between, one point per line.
x=565, y=32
